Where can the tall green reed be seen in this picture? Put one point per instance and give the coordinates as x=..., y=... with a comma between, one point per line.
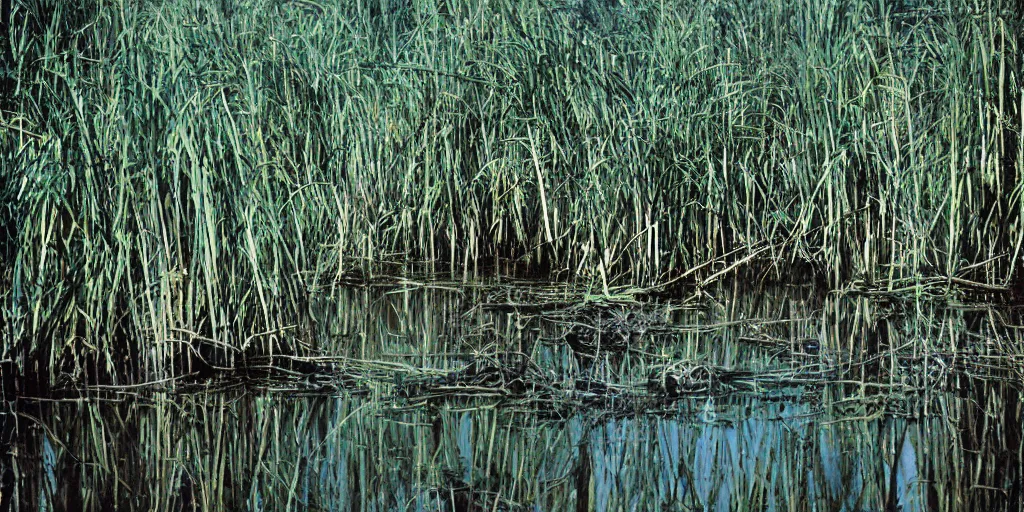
x=181, y=176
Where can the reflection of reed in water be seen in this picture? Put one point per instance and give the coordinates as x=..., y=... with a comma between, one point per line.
x=232, y=451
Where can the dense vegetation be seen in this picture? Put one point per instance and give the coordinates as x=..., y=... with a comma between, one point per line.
x=202, y=168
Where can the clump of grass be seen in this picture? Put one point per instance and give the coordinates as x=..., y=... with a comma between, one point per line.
x=199, y=167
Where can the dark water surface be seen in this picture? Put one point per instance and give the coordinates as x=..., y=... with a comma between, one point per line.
x=521, y=397
x=273, y=452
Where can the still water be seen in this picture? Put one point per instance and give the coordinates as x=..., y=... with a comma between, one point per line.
x=433, y=398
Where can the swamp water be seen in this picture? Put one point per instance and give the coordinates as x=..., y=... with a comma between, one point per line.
x=521, y=396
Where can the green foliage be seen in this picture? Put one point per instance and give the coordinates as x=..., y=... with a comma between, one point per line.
x=201, y=167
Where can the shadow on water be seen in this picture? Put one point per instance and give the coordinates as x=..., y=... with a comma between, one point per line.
x=533, y=398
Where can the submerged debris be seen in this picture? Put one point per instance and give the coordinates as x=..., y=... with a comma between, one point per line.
x=506, y=374
x=611, y=329
x=680, y=379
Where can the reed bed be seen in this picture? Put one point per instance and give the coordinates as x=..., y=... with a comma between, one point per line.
x=208, y=167
x=496, y=255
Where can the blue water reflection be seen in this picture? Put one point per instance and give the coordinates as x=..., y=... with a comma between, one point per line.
x=342, y=453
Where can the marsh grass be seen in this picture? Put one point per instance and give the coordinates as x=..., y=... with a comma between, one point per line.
x=199, y=170
x=397, y=254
